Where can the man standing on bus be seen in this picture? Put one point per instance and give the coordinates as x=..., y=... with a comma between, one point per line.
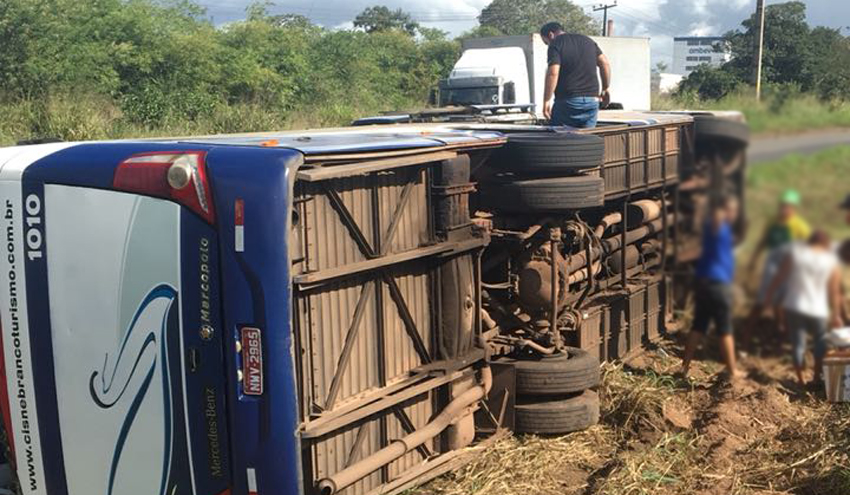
x=572, y=94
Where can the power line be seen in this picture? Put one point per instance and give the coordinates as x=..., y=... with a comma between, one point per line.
x=657, y=26
x=650, y=28
x=604, y=7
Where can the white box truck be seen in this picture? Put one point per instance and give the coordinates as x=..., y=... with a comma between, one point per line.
x=509, y=70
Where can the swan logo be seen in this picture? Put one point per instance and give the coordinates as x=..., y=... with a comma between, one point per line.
x=134, y=382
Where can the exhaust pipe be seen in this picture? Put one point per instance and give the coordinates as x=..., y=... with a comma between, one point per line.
x=607, y=221
x=398, y=448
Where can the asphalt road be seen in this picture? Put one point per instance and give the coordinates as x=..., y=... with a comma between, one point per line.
x=775, y=147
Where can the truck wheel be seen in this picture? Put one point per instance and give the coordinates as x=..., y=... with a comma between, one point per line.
x=557, y=416
x=551, y=152
x=710, y=128
x=536, y=195
x=565, y=373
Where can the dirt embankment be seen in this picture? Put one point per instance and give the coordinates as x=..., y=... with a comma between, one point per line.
x=663, y=434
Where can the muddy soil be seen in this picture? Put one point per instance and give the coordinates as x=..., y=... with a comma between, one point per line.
x=662, y=433
x=759, y=434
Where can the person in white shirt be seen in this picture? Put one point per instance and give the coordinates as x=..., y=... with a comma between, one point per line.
x=811, y=275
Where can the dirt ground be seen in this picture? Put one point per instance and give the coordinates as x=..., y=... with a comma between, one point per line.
x=662, y=433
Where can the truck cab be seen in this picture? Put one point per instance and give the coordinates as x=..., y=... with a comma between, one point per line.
x=509, y=70
x=496, y=76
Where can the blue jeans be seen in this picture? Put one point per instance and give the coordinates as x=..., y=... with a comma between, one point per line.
x=579, y=111
x=799, y=325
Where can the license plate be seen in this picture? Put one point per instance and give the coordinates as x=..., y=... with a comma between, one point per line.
x=252, y=361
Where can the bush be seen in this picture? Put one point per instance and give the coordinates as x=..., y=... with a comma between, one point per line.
x=709, y=83
x=783, y=108
x=71, y=117
x=102, y=68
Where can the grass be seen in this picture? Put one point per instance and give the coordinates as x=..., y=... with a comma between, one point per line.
x=85, y=117
x=746, y=439
x=82, y=116
x=775, y=114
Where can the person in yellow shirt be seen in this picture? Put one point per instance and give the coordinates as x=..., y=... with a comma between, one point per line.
x=788, y=227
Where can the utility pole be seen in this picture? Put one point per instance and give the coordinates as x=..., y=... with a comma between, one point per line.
x=604, y=8
x=759, y=47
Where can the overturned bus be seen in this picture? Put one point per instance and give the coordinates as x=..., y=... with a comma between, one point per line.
x=335, y=311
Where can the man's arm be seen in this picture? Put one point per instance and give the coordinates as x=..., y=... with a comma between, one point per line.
x=549, y=90
x=605, y=76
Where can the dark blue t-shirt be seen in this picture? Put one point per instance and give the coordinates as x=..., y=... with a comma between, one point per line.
x=577, y=55
x=717, y=262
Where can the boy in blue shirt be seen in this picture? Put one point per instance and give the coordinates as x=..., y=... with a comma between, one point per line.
x=715, y=275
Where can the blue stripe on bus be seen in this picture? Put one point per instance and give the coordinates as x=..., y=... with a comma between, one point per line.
x=41, y=349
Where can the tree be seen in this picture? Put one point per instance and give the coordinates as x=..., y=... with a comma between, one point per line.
x=432, y=34
x=794, y=53
x=796, y=57
x=380, y=18
x=528, y=16
x=480, y=32
x=660, y=67
x=709, y=83
x=293, y=21
x=829, y=63
x=258, y=10
x=786, y=46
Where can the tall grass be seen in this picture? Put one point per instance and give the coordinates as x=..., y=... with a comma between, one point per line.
x=84, y=117
x=778, y=112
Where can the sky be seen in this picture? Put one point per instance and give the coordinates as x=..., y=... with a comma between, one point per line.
x=659, y=20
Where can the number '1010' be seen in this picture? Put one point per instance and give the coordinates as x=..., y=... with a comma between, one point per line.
x=34, y=236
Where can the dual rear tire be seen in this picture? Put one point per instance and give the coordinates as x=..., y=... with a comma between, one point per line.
x=550, y=172
x=554, y=393
x=550, y=152
x=546, y=172
x=558, y=416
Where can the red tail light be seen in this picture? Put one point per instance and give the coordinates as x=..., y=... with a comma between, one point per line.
x=177, y=175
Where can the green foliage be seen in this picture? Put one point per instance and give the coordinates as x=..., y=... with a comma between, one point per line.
x=380, y=18
x=783, y=108
x=89, y=69
x=815, y=60
x=831, y=72
x=481, y=32
x=95, y=69
x=786, y=45
x=528, y=16
x=708, y=82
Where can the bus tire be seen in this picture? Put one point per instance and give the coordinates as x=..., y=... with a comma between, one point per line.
x=544, y=195
x=709, y=128
x=551, y=152
x=555, y=417
x=572, y=371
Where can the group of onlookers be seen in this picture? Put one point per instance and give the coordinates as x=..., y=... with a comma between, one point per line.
x=800, y=284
